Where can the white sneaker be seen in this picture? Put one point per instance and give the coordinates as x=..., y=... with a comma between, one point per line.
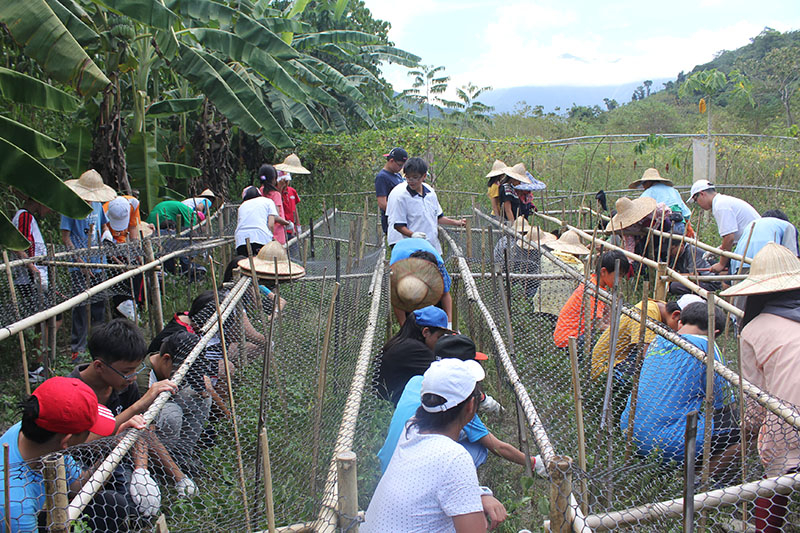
x=35, y=376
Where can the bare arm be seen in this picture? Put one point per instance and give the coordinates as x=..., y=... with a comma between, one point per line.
x=503, y=449
x=496, y=206
x=446, y=221
x=66, y=240
x=382, y=202
x=403, y=230
x=507, y=209
x=470, y=523
x=727, y=245
x=447, y=305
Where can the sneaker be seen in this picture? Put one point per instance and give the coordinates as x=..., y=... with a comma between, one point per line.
x=35, y=376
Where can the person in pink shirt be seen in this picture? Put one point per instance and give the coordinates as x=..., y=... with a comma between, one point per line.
x=268, y=177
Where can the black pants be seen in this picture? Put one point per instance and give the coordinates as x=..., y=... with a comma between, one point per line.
x=242, y=250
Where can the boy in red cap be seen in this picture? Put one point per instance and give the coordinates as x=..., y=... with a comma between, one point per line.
x=60, y=413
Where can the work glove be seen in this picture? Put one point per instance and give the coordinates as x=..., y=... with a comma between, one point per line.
x=539, y=467
x=145, y=493
x=298, y=229
x=290, y=227
x=187, y=488
x=419, y=235
x=490, y=405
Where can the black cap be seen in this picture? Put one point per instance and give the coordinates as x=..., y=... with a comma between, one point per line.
x=457, y=347
x=398, y=154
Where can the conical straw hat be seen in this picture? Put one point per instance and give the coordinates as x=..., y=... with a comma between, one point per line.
x=90, y=187
x=292, y=164
x=629, y=212
x=521, y=225
x=415, y=283
x=534, y=237
x=498, y=169
x=774, y=269
x=651, y=174
x=569, y=242
x=264, y=263
x=518, y=172
x=143, y=230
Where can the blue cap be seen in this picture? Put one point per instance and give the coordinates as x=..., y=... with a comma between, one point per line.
x=431, y=316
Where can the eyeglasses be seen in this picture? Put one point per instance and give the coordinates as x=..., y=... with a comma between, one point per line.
x=129, y=377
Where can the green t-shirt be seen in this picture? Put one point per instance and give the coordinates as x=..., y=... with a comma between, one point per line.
x=169, y=210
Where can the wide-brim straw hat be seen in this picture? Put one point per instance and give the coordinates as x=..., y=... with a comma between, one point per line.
x=265, y=264
x=498, y=169
x=534, y=237
x=518, y=172
x=415, y=283
x=569, y=242
x=651, y=174
x=143, y=230
x=521, y=225
x=292, y=164
x=629, y=212
x=774, y=269
x=209, y=194
x=90, y=187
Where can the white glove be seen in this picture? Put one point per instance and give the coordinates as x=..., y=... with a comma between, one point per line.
x=539, y=467
x=187, y=488
x=298, y=229
x=490, y=405
x=145, y=493
x=419, y=235
x=290, y=227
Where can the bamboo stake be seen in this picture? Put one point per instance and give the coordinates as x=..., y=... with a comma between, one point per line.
x=239, y=461
x=578, y=399
x=21, y=336
x=268, y=496
x=646, y=244
x=709, y=398
x=560, y=469
x=6, y=488
x=605, y=420
x=468, y=228
x=351, y=247
x=590, y=313
x=156, y=310
x=55, y=489
x=347, y=481
x=363, y=230
x=637, y=369
x=323, y=363
x=87, y=275
x=690, y=451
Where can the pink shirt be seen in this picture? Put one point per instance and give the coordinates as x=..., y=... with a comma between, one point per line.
x=278, y=232
x=770, y=352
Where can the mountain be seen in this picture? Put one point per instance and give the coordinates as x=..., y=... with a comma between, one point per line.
x=562, y=96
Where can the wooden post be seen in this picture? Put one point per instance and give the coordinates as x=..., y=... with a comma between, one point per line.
x=161, y=524
x=156, y=311
x=21, y=336
x=560, y=469
x=454, y=297
x=321, y=379
x=709, y=398
x=311, y=236
x=616, y=309
x=351, y=247
x=363, y=231
x=347, y=482
x=690, y=451
x=268, y=496
x=578, y=399
x=591, y=311
x=637, y=369
x=468, y=228
x=660, y=286
x=325, y=214
x=6, y=487
x=55, y=489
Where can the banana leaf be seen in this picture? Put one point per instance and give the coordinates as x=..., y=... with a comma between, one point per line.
x=24, y=89
x=35, y=143
x=168, y=108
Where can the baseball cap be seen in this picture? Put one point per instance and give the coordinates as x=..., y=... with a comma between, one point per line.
x=398, y=154
x=432, y=317
x=452, y=379
x=687, y=299
x=119, y=213
x=699, y=186
x=458, y=347
x=68, y=405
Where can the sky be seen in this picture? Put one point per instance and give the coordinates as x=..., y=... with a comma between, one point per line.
x=511, y=43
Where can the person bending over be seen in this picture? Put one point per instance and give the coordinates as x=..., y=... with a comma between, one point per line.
x=421, y=248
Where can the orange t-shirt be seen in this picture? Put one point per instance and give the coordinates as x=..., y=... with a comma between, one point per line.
x=122, y=236
x=570, y=322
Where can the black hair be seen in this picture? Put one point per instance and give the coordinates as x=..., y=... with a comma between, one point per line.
x=427, y=256
x=416, y=165
x=439, y=420
x=234, y=263
x=755, y=303
x=673, y=306
x=696, y=314
x=250, y=193
x=199, y=304
x=494, y=179
x=776, y=213
x=31, y=430
x=410, y=330
x=268, y=176
x=117, y=340
x=179, y=345
x=608, y=261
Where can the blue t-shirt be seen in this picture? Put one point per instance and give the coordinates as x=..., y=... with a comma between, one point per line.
x=385, y=181
x=79, y=231
x=765, y=230
x=404, y=248
x=671, y=385
x=26, y=487
x=661, y=192
x=407, y=407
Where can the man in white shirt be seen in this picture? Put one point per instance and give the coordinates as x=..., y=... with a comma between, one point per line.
x=413, y=208
x=732, y=215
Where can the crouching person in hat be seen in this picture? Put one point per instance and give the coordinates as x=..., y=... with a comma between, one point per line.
x=770, y=359
x=60, y=413
x=422, y=249
x=431, y=483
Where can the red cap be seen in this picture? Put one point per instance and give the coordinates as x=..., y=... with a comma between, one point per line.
x=68, y=405
x=480, y=356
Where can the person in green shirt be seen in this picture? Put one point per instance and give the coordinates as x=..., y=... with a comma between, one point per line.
x=170, y=210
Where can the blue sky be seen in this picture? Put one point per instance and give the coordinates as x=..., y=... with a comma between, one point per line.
x=572, y=42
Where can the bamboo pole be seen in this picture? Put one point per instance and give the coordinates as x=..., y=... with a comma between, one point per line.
x=709, y=397
x=590, y=313
x=469, y=237
x=637, y=369
x=156, y=310
x=578, y=399
x=560, y=468
x=6, y=487
x=321, y=380
x=21, y=336
x=363, y=230
x=616, y=315
x=690, y=451
x=239, y=461
x=660, y=290
x=47, y=358
x=55, y=489
x=347, y=479
x=268, y=496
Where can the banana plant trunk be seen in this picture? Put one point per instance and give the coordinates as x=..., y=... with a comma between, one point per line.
x=108, y=155
x=212, y=152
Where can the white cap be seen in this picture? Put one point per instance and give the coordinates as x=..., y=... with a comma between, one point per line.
x=284, y=176
x=452, y=379
x=119, y=213
x=699, y=186
x=687, y=299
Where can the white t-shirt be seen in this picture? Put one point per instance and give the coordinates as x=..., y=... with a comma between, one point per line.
x=198, y=204
x=21, y=275
x=732, y=215
x=253, y=221
x=417, y=212
x=430, y=479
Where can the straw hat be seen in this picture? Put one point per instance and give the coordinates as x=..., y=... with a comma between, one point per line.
x=518, y=172
x=498, y=169
x=521, y=225
x=90, y=187
x=651, y=174
x=264, y=263
x=415, y=283
x=629, y=212
x=534, y=237
x=569, y=242
x=774, y=269
x=143, y=229
x=292, y=164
